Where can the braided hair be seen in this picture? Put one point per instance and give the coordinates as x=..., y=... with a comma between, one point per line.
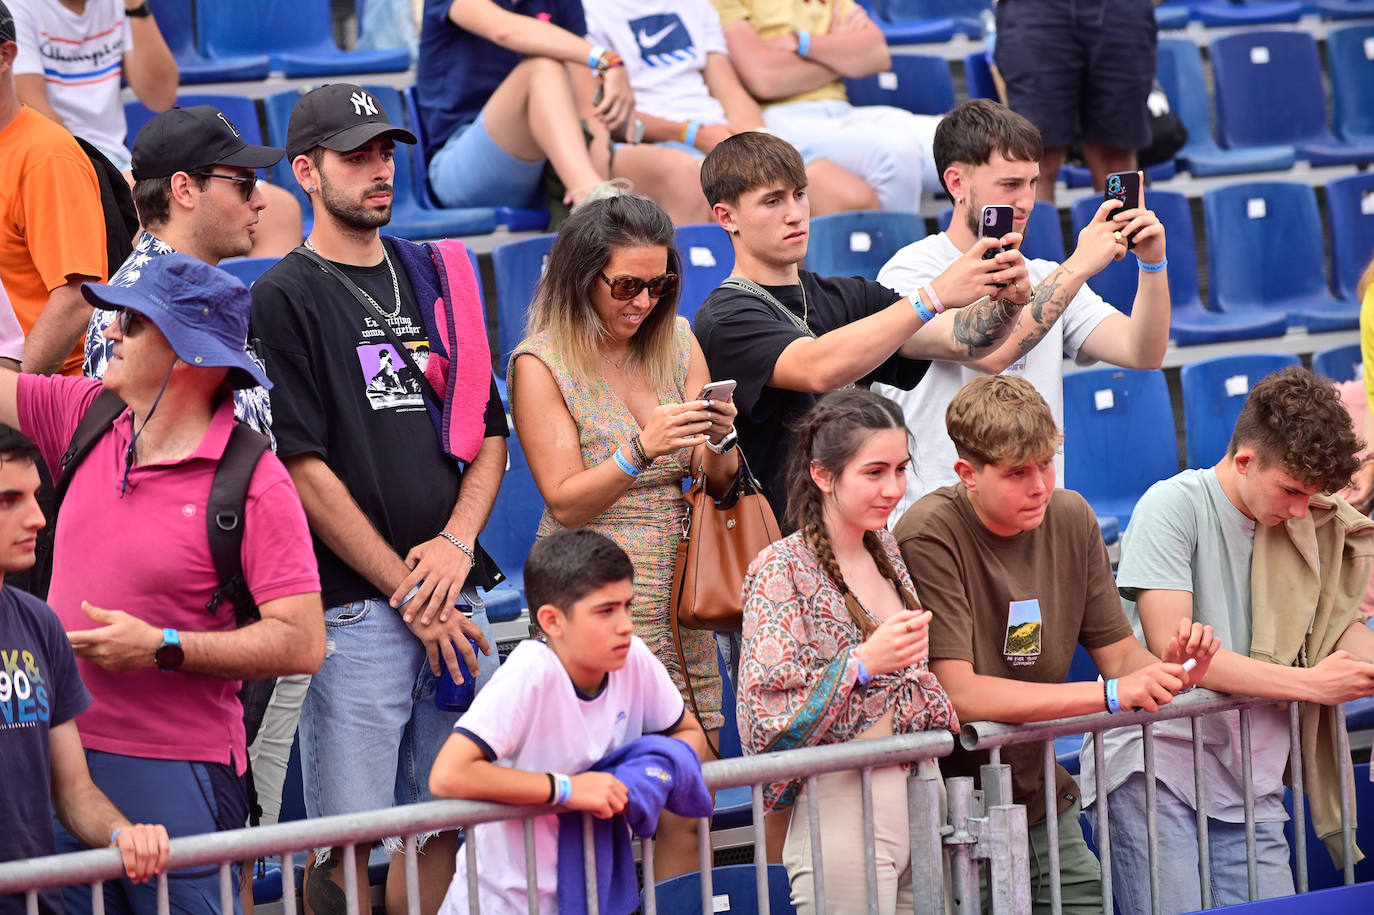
x=830, y=434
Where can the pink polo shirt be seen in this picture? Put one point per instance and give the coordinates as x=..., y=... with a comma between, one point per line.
x=147, y=553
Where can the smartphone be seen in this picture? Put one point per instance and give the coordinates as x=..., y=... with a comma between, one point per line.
x=1125, y=186
x=996, y=221
x=717, y=390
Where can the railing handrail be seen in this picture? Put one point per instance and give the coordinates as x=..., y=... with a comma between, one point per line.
x=988, y=735
x=412, y=819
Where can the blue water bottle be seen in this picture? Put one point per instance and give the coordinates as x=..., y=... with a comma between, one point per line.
x=456, y=697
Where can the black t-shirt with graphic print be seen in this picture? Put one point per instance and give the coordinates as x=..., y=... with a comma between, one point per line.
x=341, y=392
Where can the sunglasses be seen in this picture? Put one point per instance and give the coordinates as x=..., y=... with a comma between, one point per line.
x=626, y=287
x=246, y=183
x=127, y=321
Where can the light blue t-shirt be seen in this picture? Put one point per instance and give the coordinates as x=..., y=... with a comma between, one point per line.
x=1186, y=535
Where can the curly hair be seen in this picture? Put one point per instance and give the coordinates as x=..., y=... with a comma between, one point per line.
x=1296, y=419
x=1001, y=419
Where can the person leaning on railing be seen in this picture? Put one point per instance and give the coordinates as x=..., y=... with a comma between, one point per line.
x=835, y=645
x=1017, y=576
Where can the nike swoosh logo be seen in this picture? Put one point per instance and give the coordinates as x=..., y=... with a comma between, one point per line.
x=647, y=41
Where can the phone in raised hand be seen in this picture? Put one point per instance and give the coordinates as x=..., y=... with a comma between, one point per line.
x=1125, y=186
x=717, y=390
x=994, y=222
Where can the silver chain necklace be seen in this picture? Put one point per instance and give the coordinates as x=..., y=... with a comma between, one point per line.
x=395, y=283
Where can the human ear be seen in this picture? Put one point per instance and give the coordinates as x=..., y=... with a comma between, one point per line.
x=964, y=470
x=822, y=478
x=550, y=620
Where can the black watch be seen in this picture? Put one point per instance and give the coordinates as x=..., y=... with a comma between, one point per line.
x=169, y=654
x=139, y=12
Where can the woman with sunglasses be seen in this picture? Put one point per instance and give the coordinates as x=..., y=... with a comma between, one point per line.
x=601, y=393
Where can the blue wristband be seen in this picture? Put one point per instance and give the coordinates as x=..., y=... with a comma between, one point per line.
x=803, y=43
x=114, y=836
x=594, y=58
x=864, y=675
x=624, y=464
x=690, y=138
x=562, y=790
x=1113, y=703
x=1152, y=268
x=924, y=313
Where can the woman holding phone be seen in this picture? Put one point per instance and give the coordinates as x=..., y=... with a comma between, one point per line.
x=835, y=646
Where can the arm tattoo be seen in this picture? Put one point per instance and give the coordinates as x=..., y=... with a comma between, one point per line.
x=1048, y=303
x=980, y=326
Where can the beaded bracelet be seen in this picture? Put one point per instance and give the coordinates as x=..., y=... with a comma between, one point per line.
x=637, y=445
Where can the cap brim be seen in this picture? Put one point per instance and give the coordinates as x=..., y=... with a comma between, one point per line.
x=113, y=298
x=252, y=157
x=353, y=137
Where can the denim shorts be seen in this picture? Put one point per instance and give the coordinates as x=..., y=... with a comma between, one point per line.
x=471, y=170
x=369, y=730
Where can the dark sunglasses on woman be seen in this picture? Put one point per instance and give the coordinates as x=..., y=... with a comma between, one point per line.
x=626, y=287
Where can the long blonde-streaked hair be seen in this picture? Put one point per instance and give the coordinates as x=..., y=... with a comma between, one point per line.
x=562, y=304
x=1366, y=281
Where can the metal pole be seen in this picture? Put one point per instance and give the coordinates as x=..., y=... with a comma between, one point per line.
x=707, y=860
x=226, y=887
x=1051, y=767
x=1247, y=777
x=1152, y=816
x=927, y=853
x=870, y=852
x=470, y=851
x=813, y=824
x=1104, y=834
x=351, y=880
x=1204, y=859
x=589, y=864
x=646, y=855
x=412, y=868
x=1346, y=771
x=1299, y=794
x=531, y=870
x=288, y=882
x=760, y=842
x=963, y=867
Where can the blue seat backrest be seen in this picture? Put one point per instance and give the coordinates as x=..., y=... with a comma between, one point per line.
x=1118, y=432
x=510, y=532
x=243, y=111
x=916, y=82
x=1214, y=390
x=174, y=21
x=248, y=269
x=1179, y=70
x=707, y=258
x=1264, y=243
x=978, y=75
x=1268, y=88
x=860, y=243
x=733, y=889
x=395, y=107
x=1339, y=363
x=1350, y=215
x=729, y=744
x=1350, y=53
x=262, y=26
x=277, y=107
x=964, y=12
x=1117, y=281
x=518, y=265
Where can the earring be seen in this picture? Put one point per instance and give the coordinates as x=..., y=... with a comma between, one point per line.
x=310, y=189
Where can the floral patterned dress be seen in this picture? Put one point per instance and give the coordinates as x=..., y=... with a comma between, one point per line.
x=645, y=521
x=799, y=674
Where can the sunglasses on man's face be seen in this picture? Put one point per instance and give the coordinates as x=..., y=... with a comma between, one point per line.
x=127, y=321
x=626, y=287
x=246, y=183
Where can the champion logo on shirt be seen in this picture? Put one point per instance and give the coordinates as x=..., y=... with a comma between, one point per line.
x=662, y=39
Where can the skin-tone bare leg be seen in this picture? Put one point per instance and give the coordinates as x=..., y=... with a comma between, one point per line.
x=669, y=177
x=436, y=866
x=279, y=226
x=324, y=887
x=676, y=847
x=531, y=115
x=835, y=189
x=246, y=891
x=1049, y=172
x=775, y=833
x=1103, y=160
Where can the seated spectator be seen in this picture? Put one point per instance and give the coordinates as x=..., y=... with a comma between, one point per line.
x=687, y=93
x=1017, y=576
x=500, y=86
x=792, y=56
x=1254, y=548
x=987, y=155
x=535, y=719
x=131, y=586
x=52, y=225
x=835, y=646
x=73, y=55
x=41, y=700
x=603, y=395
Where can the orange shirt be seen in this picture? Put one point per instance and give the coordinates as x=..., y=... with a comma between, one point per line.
x=52, y=226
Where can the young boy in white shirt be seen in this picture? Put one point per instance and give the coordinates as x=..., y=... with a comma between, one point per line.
x=556, y=706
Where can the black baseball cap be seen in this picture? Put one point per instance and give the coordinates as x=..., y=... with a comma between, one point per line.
x=185, y=139
x=6, y=24
x=340, y=116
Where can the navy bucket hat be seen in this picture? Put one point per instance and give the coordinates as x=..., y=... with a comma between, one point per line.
x=201, y=310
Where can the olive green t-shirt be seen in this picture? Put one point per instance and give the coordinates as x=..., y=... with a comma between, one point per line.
x=1015, y=607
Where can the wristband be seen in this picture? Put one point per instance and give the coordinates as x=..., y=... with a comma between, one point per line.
x=689, y=136
x=638, y=447
x=114, y=836
x=553, y=788
x=922, y=311
x=1152, y=268
x=624, y=463
x=1113, y=703
x=139, y=12
x=594, y=58
x=563, y=792
x=934, y=299
x=864, y=675
x=803, y=43
x=467, y=550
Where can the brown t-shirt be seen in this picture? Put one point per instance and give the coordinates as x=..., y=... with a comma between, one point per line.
x=1015, y=607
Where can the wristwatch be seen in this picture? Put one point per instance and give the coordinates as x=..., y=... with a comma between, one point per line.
x=725, y=444
x=139, y=12
x=169, y=654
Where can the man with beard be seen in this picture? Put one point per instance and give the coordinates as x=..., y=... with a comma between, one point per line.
x=395, y=531
x=989, y=155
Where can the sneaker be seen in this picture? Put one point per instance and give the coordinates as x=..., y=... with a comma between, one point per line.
x=612, y=188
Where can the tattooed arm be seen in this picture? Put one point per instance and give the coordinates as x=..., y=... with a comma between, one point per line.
x=964, y=334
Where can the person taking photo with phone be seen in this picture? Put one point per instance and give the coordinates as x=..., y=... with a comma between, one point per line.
x=989, y=156
x=599, y=393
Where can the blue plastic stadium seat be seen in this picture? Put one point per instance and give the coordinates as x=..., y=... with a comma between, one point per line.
x=1118, y=437
x=734, y=806
x=1110, y=526
x=1269, y=91
x=510, y=531
x=966, y=16
x=239, y=108
x=1179, y=71
x=918, y=83
x=1322, y=877
x=707, y=258
x=1339, y=363
x=733, y=889
x=978, y=76
x=1189, y=322
x=1344, y=9
x=1214, y=390
x=1265, y=251
x=1246, y=12
x=277, y=108
x=1075, y=176
x=1350, y=54
x=297, y=37
x=518, y=266
x=1044, y=234
x=859, y=243
x=908, y=29
x=1350, y=216
x=1172, y=17
x=174, y=21
x=247, y=269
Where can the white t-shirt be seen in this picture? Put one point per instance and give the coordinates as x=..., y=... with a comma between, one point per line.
x=933, y=455
x=664, y=44
x=11, y=334
x=530, y=716
x=81, y=60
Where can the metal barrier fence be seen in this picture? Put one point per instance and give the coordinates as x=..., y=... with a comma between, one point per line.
x=984, y=827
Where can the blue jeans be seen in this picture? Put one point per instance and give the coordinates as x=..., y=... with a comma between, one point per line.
x=1179, y=884
x=369, y=730
x=187, y=798
x=471, y=170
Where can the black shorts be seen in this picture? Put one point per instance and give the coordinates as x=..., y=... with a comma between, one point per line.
x=1079, y=69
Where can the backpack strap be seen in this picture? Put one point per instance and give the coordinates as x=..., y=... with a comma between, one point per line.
x=224, y=518
x=98, y=419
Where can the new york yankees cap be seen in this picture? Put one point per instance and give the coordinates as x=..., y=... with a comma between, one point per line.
x=186, y=139
x=339, y=116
